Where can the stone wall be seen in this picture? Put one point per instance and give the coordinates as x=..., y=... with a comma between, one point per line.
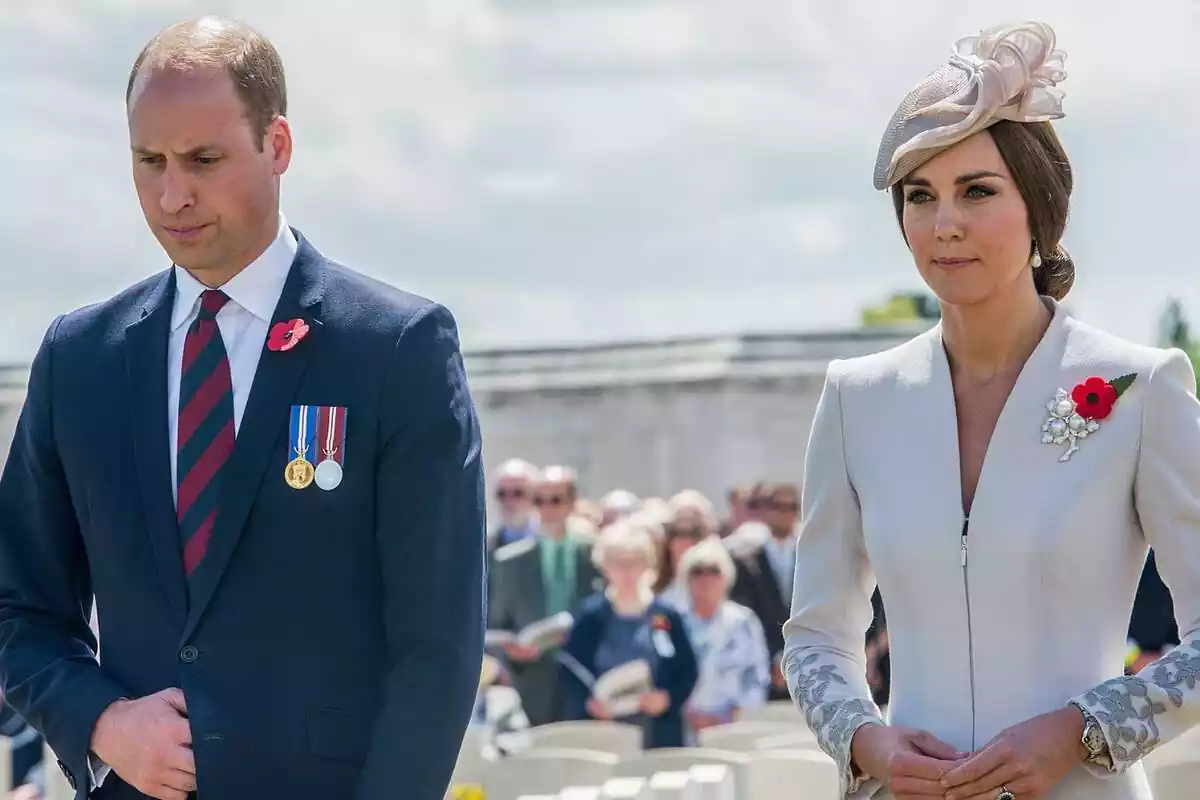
x=658, y=438
x=651, y=417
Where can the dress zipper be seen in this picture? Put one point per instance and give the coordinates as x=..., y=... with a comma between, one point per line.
x=970, y=638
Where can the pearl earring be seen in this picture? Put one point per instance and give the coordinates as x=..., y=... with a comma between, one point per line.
x=1037, y=257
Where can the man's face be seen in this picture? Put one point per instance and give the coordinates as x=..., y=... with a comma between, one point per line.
x=515, y=496
x=781, y=511
x=210, y=196
x=554, y=501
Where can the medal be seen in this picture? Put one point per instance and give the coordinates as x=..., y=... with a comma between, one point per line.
x=328, y=474
x=331, y=435
x=299, y=472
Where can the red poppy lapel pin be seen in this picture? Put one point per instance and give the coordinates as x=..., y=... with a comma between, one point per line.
x=286, y=335
x=660, y=622
x=1076, y=414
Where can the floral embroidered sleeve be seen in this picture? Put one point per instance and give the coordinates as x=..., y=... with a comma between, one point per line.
x=825, y=638
x=1138, y=713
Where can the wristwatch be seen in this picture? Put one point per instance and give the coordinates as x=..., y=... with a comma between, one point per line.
x=1093, y=741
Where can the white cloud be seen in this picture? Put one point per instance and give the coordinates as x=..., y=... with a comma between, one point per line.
x=579, y=169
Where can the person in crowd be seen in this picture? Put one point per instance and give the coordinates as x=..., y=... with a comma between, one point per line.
x=1152, y=626
x=765, y=567
x=879, y=660
x=736, y=499
x=625, y=623
x=618, y=504
x=535, y=578
x=692, y=519
x=999, y=478
x=588, y=514
x=731, y=650
x=750, y=529
x=290, y=594
x=514, y=481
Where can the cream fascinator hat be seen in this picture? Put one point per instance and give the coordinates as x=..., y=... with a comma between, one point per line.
x=1006, y=72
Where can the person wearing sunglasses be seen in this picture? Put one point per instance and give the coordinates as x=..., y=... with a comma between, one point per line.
x=537, y=577
x=765, y=566
x=731, y=649
x=514, y=497
x=692, y=519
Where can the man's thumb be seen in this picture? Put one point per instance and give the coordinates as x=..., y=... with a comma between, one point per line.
x=176, y=700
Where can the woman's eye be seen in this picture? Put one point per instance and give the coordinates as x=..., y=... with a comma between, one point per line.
x=979, y=191
x=917, y=196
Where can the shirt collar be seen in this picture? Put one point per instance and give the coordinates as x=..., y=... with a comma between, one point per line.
x=256, y=288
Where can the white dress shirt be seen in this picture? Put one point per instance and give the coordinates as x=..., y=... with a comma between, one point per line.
x=244, y=323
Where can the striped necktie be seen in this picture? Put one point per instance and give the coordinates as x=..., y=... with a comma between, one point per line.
x=206, y=429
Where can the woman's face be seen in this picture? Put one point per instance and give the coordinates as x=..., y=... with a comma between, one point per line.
x=685, y=531
x=707, y=586
x=625, y=571
x=966, y=223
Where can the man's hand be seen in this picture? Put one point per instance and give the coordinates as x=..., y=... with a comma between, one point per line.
x=1029, y=759
x=147, y=742
x=910, y=762
x=521, y=653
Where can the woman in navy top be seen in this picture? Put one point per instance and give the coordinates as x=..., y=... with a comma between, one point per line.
x=625, y=623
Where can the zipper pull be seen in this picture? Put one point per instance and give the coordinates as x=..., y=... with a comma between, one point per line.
x=963, y=539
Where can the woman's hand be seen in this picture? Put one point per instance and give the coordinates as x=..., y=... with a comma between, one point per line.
x=1028, y=759
x=654, y=703
x=909, y=762
x=597, y=709
x=699, y=720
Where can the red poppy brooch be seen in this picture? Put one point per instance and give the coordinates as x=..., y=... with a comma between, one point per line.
x=659, y=622
x=1076, y=414
x=286, y=335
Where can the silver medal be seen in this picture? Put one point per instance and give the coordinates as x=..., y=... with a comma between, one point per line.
x=329, y=474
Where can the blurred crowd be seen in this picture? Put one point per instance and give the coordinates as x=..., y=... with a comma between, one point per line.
x=700, y=593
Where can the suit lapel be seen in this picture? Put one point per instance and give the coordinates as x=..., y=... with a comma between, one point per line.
x=768, y=578
x=146, y=341
x=263, y=423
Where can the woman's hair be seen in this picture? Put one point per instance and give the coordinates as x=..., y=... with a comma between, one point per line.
x=690, y=501
x=624, y=537
x=710, y=553
x=687, y=503
x=1042, y=172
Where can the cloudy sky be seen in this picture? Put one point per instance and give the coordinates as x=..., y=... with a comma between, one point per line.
x=565, y=170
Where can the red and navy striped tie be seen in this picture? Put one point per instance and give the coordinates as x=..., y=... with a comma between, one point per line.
x=206, y=429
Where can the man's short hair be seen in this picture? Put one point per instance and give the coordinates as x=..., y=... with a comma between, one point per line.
x=517, y=468
x=211, y=43
x=558, y=473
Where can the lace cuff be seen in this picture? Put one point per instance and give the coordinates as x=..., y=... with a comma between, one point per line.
x=815, y=689
x=1137, y=713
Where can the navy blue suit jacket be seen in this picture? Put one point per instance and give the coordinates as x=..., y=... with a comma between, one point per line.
x=676, y=675
x=332, y=643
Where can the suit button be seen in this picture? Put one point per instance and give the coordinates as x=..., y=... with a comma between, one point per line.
x=189, y=654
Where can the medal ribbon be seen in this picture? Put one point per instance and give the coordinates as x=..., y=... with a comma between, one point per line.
x=331, y=433
x=301, y=432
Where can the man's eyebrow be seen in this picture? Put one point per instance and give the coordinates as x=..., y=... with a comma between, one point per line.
x=191, y=153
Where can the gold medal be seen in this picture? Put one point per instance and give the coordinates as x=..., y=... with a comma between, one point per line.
x=299, y=473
